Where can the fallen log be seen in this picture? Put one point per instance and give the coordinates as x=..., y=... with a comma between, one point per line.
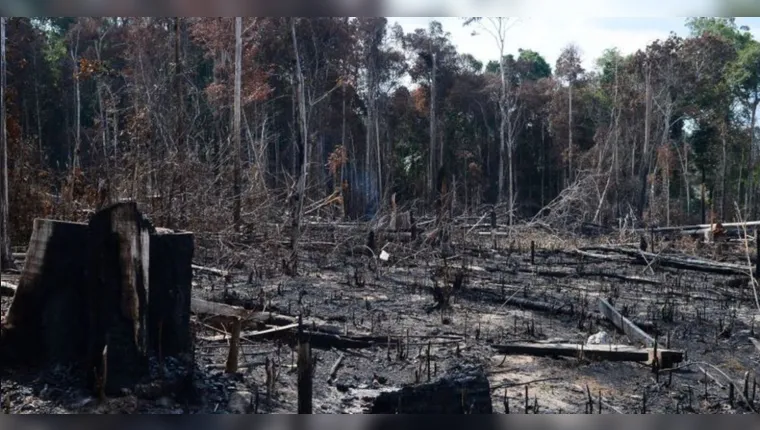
x=205, y=307
x=564, y=308
x=689, y=263
x=221, y=315
x=211, y=271
x=575, y=273
x=697, y=228
x=250, y=334
x=631, y=330
x=603, y=257
x=334, y=368
x=592, y=352
x=7, y=289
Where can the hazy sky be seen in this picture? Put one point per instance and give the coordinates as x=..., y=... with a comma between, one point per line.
x=549, y=34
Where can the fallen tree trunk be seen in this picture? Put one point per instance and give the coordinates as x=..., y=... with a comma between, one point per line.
x=689, y=263
x=697, y=228
x=205, y=307
x=210, y=271
x=592, y=352
x=624, y=324
x=564, y=308
x=250, y=334
x=600, y=274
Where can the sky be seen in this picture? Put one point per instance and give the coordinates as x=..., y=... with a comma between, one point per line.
x=547, y=35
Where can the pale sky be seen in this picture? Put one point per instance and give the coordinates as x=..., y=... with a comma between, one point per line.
x=547, y=35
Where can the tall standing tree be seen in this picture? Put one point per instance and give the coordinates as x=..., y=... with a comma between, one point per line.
x=435, y=68
x=497, y=27
x=6, y=260
x=236, y=187
x=304, y=132
x=744, y=77
x=569, y=69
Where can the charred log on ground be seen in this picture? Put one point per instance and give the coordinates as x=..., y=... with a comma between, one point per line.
x=462, y=390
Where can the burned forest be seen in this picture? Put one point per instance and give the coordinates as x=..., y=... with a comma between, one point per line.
x=260, y=215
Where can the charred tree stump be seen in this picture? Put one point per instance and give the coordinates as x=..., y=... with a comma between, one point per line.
x=118, y=279
x=171, y=275
x=463, y=390
x=101, y=296
x=305, y=378
x=46, y=320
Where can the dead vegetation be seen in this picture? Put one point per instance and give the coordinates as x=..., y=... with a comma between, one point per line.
x=555, y=321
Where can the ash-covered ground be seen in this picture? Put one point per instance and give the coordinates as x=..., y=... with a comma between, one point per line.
x=710, y=316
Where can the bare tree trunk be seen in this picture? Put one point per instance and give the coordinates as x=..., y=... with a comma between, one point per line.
x=431, y=161
x=684, y=161
x=644, y=166
x=38, y=110
x=102, y=108
x=6, y=259
x=502, y=150
x=298, y=213
x=77, y=139
x=570, y=175
x=750, y=192
x=379, y=156
x=236, y=127
x=545, y=165
x=724, y=171
x=666, y=172
x=180, y=142
x=368, y=130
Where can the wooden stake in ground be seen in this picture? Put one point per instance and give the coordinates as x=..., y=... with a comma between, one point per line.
x=305, y=373
x=232, y=357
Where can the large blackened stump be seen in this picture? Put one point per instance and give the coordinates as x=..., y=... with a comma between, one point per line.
x=46, y=322
x=462, y=390
x=171, y=275
x=118, y=281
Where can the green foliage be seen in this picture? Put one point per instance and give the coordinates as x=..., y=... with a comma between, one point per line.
x=532, y=65
x=743, y=74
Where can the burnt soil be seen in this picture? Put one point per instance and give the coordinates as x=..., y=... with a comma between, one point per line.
x=709, y=316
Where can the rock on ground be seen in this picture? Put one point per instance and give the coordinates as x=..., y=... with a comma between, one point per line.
x=241, y=402
x=461, y=390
